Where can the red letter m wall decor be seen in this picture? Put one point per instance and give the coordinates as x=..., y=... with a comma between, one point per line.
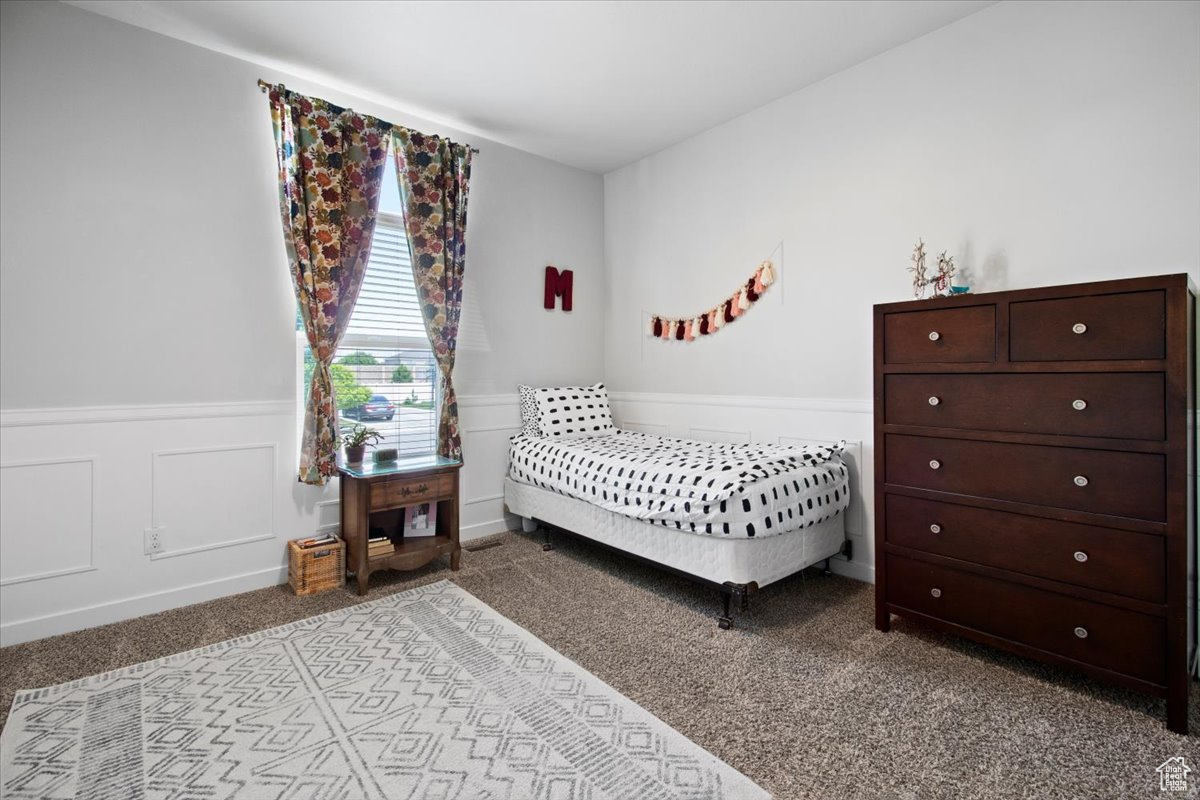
x=558, y=284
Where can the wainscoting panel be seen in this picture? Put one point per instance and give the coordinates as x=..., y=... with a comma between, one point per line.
x=487, y=424
x=329, y=515
x=216, y=481
x=657, y=429
x=213, y=497
x=715, y=435
x=46, y=519
x=220, y=481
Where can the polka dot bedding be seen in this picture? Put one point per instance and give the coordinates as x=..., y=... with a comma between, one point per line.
x=708, y=488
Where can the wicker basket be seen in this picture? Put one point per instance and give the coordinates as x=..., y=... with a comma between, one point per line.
x=316, y=569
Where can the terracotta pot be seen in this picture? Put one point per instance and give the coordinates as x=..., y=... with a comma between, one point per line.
x=354, y=455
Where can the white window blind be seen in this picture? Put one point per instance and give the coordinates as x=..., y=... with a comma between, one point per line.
x=387, y=304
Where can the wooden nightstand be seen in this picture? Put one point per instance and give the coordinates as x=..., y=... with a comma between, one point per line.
x=369, y=490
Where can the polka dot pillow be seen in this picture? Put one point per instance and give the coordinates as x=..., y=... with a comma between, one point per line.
x=529, y=411
x=574, y=412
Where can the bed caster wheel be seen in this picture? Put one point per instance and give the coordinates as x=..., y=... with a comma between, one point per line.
x=724, y=623
x=547, y=547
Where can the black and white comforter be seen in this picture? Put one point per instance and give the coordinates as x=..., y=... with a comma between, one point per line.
x=717, y=488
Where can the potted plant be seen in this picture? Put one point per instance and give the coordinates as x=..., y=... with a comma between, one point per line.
x=356, y=442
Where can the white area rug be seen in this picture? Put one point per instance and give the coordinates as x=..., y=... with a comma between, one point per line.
x=424, y=694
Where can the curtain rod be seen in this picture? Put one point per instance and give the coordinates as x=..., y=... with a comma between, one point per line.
x=265, y=87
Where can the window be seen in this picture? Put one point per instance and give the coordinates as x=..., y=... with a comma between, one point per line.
x=384, y=374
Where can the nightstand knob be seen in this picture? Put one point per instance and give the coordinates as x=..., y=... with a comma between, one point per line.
x=1081, y=556
x=934, y=336
x=1081, y=633
x=1079, y=405
x=935, y=528
x=935, y=592
x=935, y=464
x=933, y=401
x=1079, y=327
x=1081, y=480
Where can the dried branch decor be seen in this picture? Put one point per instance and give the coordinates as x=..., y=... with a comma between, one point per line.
x=920, y=281
x=717, y=317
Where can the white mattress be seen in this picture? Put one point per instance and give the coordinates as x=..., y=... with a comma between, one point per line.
x=718, y=559
x=721, y=489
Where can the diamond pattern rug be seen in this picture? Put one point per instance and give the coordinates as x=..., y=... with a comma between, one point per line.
x=426, y=694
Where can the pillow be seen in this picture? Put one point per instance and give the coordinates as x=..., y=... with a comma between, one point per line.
x=574, y=412
x=529, y=411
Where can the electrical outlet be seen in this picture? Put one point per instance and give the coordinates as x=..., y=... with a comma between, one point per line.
x=153, y=542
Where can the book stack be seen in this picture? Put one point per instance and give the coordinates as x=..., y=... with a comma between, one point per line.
x=323, y=540
x=379, y=546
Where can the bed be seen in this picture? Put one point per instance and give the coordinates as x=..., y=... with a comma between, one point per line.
x=735, y=516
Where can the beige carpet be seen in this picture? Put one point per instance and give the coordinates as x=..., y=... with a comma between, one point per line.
x=803, y=696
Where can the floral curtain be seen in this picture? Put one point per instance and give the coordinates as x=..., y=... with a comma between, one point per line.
x=330, y=170
x=434, y=176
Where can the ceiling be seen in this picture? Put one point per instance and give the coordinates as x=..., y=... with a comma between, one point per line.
x=593, y=84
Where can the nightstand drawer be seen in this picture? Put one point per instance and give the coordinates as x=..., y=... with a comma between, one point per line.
x=1106, y=559
x=1112, y=638
x=1103, y=327
x=403, y=492
x=1121, y=405
x=1099, y=481
x=940, y=336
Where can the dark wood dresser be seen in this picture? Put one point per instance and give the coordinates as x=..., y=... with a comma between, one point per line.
x=1032, y=489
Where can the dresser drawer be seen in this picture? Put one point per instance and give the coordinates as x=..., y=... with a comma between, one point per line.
x=1111, y=638
x=404, y=492
x=1099, y=328
x=1118, y=483
x=1121, y=562
x=1122, y=405
x=940, y=336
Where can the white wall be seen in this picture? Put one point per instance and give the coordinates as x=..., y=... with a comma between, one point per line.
x=1039, y=143
x=147, y=309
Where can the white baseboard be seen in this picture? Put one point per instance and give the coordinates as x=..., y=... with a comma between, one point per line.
x=482, y=529
x=852, y=569
x=105, y=613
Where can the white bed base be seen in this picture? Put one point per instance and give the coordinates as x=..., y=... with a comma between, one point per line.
x=743, y=565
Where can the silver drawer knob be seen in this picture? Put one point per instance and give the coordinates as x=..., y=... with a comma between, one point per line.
x=936, y=592
x=935, y=464
x=935, y=528
x=1080, y=556
x=1081, y=480
x=934, y=336
x=1079, y=405
x=933, y=401
x=1079, y=327
x=1081, y=633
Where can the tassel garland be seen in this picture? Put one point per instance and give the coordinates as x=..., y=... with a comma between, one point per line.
x=711, y=321
x=766, y=273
